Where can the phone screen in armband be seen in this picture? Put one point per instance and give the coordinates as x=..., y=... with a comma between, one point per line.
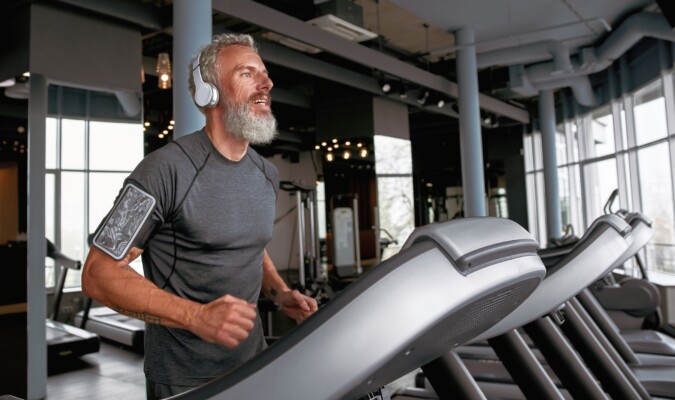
x=125, y=222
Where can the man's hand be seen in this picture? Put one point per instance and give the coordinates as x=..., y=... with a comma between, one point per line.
x=227, y=321
x=296, y=305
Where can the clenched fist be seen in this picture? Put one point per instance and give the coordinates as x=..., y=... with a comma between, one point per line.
x=227, y=320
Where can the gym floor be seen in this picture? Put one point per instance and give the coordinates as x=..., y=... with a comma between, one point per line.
x=114, y=373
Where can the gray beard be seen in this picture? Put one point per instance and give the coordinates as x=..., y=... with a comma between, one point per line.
x=244, y=125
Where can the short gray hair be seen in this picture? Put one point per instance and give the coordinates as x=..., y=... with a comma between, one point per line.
x=209, y=53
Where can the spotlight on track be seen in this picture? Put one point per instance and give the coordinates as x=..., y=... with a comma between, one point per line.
x=402, y=91
x=386, y=85
x=437, y=99
x=422, y=96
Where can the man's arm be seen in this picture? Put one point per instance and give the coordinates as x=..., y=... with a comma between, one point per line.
x=226, y=320
x=293, y=303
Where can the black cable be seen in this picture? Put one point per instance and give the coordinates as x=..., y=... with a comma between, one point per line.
x=285, y=214
x=175, y=254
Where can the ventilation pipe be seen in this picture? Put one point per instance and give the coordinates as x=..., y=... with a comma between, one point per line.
x=530, y=53
x=580, y=85
x=557, y=73
x=592, y=60
x=129, y=102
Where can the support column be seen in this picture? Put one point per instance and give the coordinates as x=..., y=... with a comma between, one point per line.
x=470, y=140
x=192, y=28
x=37, y=249
x=547, y=124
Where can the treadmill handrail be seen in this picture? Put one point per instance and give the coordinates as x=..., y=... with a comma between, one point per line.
x=468, y=252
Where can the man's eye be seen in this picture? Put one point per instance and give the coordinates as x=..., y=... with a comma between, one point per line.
x=246, y=74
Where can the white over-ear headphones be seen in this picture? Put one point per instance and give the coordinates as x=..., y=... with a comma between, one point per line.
x=206, y=94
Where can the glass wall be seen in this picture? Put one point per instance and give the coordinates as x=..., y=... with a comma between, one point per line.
x=86, y=161
x=625, y=146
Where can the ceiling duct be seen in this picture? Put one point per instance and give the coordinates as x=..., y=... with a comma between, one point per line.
x=529, y=53
x=343, y=18
x=592, y=59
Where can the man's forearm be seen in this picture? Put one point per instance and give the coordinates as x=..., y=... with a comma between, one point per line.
x=116, y=285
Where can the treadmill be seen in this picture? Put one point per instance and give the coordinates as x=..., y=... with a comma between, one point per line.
x=112, y=325
x=450, y=282
x=648, y=343
x=605, y=243
x=619, y=375
x=63, y=340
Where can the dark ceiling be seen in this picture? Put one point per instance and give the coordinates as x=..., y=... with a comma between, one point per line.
x=416, y=33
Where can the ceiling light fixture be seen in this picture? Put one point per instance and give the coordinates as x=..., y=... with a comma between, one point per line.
x=422, y=96
x=164, y=71
x=388, y=86
x=403, y=91
x=437, y=99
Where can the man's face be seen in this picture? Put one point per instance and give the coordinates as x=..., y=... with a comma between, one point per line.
x=246, y=87
x=243, y=77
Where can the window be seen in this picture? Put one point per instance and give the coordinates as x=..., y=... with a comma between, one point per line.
x=592, y=164
x=650, y=114
x=657, y=204
x=601, y=180
x=393, y=165
x=599, y=133
x=560, y=145
x=86, y=161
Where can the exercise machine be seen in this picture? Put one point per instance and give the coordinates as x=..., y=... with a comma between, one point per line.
x=307, y=228
x=449, y=283
x=345, y=230
x=110, y=324
x=606, y=243
x=63, y=340
x=633, y=298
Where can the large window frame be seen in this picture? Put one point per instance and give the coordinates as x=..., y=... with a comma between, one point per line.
x=581, y=156
x=58, y=168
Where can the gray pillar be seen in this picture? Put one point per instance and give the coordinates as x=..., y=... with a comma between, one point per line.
x=37, y=249
x=471, y=148
x=192, y=28
x=547, y=124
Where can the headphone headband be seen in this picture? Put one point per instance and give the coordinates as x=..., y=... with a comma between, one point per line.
x=206, y=94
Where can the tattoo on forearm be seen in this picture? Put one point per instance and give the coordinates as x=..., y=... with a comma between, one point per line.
x=273, y=292
x=152, y=319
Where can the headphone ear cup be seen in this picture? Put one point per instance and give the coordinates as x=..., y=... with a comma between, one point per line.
x=206, y=95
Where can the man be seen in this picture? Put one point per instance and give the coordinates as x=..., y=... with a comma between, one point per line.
x=201, y=211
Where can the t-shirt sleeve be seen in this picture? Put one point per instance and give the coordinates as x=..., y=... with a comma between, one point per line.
x=142, y=205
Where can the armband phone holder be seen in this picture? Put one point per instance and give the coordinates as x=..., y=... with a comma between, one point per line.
x=128, y=223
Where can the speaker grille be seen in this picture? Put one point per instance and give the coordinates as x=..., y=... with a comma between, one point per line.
x=478, y=316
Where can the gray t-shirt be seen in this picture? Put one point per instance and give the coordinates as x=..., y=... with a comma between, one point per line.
x=215, y=218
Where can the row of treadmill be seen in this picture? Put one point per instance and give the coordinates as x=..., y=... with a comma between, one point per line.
x=473, y=306
x=474, y=309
